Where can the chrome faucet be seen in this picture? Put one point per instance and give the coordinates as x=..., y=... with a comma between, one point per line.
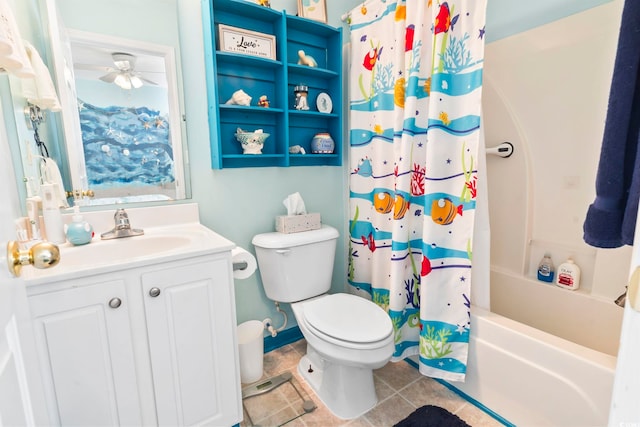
x=122, y=227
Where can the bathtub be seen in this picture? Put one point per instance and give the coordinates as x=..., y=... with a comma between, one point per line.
x=531, y=377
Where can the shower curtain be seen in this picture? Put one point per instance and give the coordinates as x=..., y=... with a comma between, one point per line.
x=415, y=89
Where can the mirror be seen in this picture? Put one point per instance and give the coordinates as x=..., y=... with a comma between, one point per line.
x=117, y=68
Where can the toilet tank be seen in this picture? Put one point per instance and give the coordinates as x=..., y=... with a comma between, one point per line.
x=296, y=266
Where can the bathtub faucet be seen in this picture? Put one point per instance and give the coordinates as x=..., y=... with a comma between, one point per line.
x=622, y=298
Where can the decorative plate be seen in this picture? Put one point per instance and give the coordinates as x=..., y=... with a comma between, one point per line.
x=324, y=103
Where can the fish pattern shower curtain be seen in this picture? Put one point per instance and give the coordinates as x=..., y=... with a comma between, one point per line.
x=415, y=88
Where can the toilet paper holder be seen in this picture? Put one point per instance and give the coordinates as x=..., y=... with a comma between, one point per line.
x=240, y=265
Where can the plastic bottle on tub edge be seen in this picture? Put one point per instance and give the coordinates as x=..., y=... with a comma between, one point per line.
x=545, y=269
x=568, y=275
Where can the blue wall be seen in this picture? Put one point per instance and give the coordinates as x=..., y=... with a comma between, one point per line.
x=239, y=203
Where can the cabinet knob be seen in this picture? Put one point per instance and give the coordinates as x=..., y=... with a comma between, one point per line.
x=115, y=302
x=154, y=292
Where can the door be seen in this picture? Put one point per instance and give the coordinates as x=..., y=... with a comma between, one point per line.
x=21, y=399
x=84, y=342
x=191, y=329
x=626, y=387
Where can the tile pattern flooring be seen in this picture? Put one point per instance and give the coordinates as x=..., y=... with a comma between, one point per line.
x=400, y=388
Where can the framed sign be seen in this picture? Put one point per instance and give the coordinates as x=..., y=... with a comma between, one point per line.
x=239, y=40
x=313, y=9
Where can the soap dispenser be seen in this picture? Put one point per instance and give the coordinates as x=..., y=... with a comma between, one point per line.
x=79, y=231
x=568, y=275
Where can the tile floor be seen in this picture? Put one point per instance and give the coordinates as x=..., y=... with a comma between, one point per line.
x=400, y=388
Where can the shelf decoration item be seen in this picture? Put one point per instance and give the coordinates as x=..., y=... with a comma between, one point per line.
x=238, y=40
x=252, y=142
x=324, y=103
x=239, y=97
x=313, y=9
x=322, y=143
x=307, y=60
x=263, y=101
x=296, y=149
x=301, y=92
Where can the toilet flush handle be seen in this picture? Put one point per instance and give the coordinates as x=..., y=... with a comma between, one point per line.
x=283, y=251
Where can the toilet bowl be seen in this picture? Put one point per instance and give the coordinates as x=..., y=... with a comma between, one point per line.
x=347, y=337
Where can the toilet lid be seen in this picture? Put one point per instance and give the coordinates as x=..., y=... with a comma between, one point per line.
x=348, y=317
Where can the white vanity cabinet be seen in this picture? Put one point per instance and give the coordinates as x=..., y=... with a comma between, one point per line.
x=86, y=354
x=146, y=345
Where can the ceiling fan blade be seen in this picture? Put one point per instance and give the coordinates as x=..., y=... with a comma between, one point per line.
x=91, y=67
x=147, y=81
x=109, y=77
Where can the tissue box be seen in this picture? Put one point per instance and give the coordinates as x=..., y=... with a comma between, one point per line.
x=297, y=223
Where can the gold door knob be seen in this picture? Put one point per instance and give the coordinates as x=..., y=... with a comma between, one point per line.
x=40, y=255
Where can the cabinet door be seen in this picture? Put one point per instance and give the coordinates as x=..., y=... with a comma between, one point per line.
x=86, y=355
x=191, y=328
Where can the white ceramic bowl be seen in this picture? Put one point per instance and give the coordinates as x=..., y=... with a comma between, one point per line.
x=252, y=142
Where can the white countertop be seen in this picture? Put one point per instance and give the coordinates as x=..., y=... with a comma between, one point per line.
x=170, y=233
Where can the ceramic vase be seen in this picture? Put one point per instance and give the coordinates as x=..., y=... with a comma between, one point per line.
x=322, y=143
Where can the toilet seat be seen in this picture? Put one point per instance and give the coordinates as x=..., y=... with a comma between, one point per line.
x=347, y=320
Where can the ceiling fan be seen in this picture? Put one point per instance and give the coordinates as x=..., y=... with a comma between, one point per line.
x=124, y=74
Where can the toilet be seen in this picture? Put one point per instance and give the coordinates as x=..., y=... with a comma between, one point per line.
x=347, y=336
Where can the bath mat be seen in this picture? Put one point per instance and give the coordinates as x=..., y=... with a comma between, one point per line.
x=432, y=416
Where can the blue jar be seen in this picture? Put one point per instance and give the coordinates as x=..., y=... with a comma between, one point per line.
x=322, y=143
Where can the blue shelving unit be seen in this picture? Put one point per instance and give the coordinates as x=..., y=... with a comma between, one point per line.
x=276, y=78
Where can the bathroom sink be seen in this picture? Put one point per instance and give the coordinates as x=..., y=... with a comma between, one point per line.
x=121, y=250
x=155, y=245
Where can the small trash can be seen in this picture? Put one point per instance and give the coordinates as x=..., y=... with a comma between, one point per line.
x=251, y=347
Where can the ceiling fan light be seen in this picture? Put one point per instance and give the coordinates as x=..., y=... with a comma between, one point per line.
x=136, y=82
x=123, y=81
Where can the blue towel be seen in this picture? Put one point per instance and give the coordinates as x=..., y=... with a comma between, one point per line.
x=611, y=219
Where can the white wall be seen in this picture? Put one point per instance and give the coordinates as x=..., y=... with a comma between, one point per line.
x=546, y=91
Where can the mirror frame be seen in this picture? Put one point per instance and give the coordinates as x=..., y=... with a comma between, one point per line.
x=60, y=40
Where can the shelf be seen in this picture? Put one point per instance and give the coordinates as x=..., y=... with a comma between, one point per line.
x=246, y=9
x=309, y=113
x=237, y=59
x=303, y=70
x=250, y=109
x=229, y=72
